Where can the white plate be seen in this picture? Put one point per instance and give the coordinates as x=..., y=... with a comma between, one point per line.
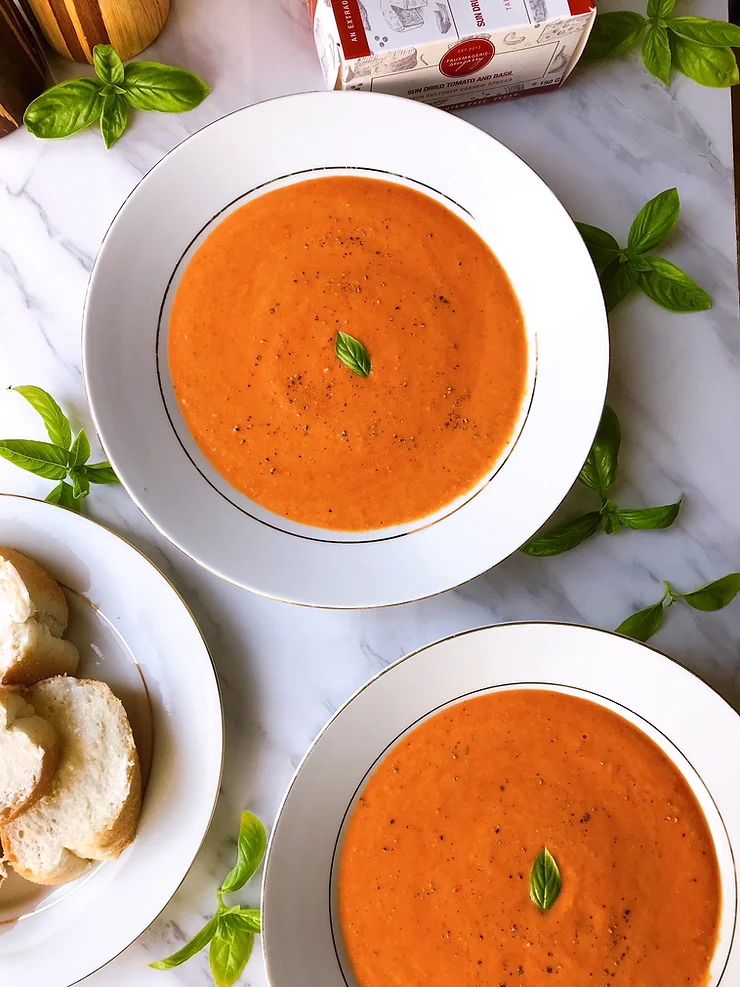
x=276, y=143
x=689, y=721
x=135, y=632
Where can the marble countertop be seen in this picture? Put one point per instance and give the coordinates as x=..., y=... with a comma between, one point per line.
x=608, y=141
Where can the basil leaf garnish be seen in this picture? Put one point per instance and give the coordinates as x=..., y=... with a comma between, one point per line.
x=64, y=109
x=251, y=847
x=80, y=451
x=353, y=354
x=56, y=422
x=153, y=86
x=190, y=948
x=599, y=472
x=643, y=624
x=660, y=8
x=715, y=67
x=713, y=34
x=614, y=33
x=41, y=458
x=249, y=919
x=108, y=65
x=114, y=118
x=63, y=495
x=713, y=596
x=601, y=245
x=654, y=223
x=610, y=518
x=670, y=287
x=101, y=473
x=545, y=881
x=563, y=537
x=80, y=483
x=617, y=281
x=650, y=518
x=230, y=949
x=656, y=52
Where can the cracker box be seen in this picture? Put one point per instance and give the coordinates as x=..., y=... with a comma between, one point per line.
x=450, y=53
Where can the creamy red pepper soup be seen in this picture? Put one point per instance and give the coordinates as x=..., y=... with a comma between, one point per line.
x=434, y=878
x=252, y=340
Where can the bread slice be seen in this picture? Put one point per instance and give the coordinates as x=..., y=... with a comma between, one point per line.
x=92, y=809
x=29, y=754
x=33, y=617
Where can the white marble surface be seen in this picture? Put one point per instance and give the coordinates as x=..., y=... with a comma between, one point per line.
x=607, y=142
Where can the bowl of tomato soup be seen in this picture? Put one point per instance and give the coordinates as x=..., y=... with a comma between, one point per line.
x=252, y=339
x=345, y=350
x=524, y=804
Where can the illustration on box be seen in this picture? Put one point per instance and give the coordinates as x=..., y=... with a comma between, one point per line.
x=463, y=52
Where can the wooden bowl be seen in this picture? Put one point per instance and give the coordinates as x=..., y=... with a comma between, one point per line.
x=22, y=67
x=74, y=27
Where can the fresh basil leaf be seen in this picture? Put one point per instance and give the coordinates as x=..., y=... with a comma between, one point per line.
x=609, y=519
x=63, y=496
x=101, y=473
x=716, y=67
x=230, y=949
x=640, y=264
x=56, y=422
x=108, y=65
x=660, y=8
x=601, y=245
x=353, y=354
x=600, y=469
x=563, y=537
x=614, y=33
x=152, y=86
x=189, y=950
x=667, y=285
x=65, y=109
x=41, y=458
x=80, y=451
x=80, y=483
x=650, y=518
x=713, y=34
x=655, y=221
x=251, y=847
x=713, y=596
x=545, y=882
x=656, y=52
x=249, y=919
x=617, y=281
x=114, y=118
x=643, y=624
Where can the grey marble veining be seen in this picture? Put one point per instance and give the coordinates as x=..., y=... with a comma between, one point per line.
x=611, y=139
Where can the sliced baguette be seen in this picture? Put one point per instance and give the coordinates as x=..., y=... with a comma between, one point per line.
x=29, y=754
x=33, y=617
x=92, y=809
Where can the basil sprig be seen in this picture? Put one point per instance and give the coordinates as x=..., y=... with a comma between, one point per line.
x=699, y=47
x=231, y=931
x=599, y=473
x=545, y=881
x=71, y=106
x=621, y=269
x=60, y=459
x=353, y=354
x=710, y=597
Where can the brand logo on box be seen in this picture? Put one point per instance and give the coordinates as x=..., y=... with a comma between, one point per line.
x=467, y=58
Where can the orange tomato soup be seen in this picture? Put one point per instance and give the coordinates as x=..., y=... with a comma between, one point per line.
x=434, y=877
x=252, y=340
